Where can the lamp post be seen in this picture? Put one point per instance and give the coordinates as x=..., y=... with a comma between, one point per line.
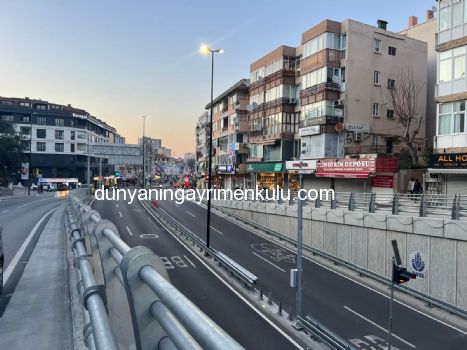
x=30, y=153
x=143, y=143
x=205, y=50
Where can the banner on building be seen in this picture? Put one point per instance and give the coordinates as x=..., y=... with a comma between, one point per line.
x=24, y=171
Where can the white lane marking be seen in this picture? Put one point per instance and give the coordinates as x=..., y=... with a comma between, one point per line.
x=5, y=211
x=119, y=213
x=378, y=326
x=191, y=262
x=190, y=213
x=149, y=236
x=254, y=308
x=259, y=256
x=215, y=229
x=11, y=266
x=33, y=202
x=352, y=280
x=129, y=231
x=116, y=205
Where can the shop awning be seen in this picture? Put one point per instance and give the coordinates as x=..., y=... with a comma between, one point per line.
x=266, y=167
x=347, y=175
x=447, y=171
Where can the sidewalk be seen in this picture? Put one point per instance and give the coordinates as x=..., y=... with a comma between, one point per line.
x=38, y=315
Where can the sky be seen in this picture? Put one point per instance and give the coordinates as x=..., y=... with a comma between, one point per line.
x=122, y=59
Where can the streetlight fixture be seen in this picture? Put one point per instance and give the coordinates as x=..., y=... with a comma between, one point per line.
x=143, y=143
x=205, y=50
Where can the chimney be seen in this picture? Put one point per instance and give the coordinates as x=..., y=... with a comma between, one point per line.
x=429, y=15
x=382, y=24
x=413, y=21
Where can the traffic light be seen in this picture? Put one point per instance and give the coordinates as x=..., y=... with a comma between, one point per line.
x=401, y=275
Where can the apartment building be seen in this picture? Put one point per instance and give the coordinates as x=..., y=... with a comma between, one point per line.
x=201, y=140
x=448, y=166
x=230, y=136
x=346, y=73
x=273, y=119
x=61, y=136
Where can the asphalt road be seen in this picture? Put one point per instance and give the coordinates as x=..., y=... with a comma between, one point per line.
x=355, y=312
x=23, y=219
x=192, y=277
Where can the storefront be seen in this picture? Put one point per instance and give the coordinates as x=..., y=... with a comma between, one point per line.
x=447, y=173
x=294, y=167
x=268, y=175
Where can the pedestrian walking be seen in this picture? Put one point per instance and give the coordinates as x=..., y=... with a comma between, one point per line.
x=417, y=188
x=410, y=187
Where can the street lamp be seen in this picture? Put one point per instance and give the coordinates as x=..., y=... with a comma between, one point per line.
x=205, y=50
x=30, y=153
x=144, y=148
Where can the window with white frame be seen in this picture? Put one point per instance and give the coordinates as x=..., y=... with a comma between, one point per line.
x=452, y=64
x=377, y=45
x=376, y=77
x=323, y=41
x=375, y=109
x=40, y=146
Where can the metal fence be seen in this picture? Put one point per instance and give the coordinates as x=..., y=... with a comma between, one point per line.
x=423, y=205
x=128, y=300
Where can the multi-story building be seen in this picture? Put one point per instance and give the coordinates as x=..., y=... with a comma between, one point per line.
x=201, y=139
x=61, y=136
x=347, y=71
x=273, y=120
x=230, y=136
x=164, y=152
x=448, y=165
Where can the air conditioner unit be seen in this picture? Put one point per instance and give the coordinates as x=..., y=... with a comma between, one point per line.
x=292, y=101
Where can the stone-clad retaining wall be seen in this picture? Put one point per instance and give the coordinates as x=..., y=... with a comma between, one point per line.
x=365, y=240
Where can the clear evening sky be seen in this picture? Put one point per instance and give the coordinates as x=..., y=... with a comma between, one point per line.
x=122, y=59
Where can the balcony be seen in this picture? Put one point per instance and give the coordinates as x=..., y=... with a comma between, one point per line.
x=316, y=89
x=450, y=141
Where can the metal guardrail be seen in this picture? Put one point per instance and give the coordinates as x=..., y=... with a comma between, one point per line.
x=128, y=299
x=235, y=269
x=430, y=300
x=1, y=261
x=422, y=205
x=324, y=334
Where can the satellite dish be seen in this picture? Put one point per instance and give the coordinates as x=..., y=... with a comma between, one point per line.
x=339, y=127
x=335, y=79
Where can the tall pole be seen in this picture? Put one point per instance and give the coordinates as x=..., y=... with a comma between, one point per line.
x=208, y=224
x=298, y=292
x=30, y=154
x=144, y=151
x=391, y=303
x=88, y=170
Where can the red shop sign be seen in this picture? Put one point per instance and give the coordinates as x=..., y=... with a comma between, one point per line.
x=363, y=165
x=384, y=181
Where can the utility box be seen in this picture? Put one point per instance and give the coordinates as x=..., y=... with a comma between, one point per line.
x=293, y=278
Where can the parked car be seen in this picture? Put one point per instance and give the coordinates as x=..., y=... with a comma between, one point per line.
x=34, y=187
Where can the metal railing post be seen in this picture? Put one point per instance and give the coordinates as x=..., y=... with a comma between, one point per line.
x=423, y=206
x=395, y=204
x=455, y=212
x=318, y=202
x=352, y=201
x=372, y=204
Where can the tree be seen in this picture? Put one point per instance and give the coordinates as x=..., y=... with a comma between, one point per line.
x=11, y=147
x=404, y=97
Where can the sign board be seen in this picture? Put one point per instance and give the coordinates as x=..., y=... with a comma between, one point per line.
x=347, y=165
x=448, y=160
x=24, y=171
x=418, y=264
x=117, y=173
x=310, y=130
x=384, y=181
x=357, y=127
x=315, y=121
x=295, y=165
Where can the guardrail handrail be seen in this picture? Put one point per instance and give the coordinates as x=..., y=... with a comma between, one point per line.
x=133, y=280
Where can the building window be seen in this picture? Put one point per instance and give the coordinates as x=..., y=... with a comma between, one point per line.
x=389, y=146
x=24, y=104
x=391, y=84
x=41, y=120
x=392, y=51
x=59, y=147
x=444, y=18
x=24, y=130
x=81, y=147
x=26, y=144
x=459, y=64
x=452, y=64
x=59, y=122
x=459, y=117
x=40, y=146
x=41, y=107
x=390, y=114
x=444, y=119
x=7, y=118
x=376, y=76
x=375, y=110
x=25, y=119
x=375, y=141
x=457, y=14
x=40, y=133
x=72, y=134
x=72, y=148
x=377, y=45
x=59, y=134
